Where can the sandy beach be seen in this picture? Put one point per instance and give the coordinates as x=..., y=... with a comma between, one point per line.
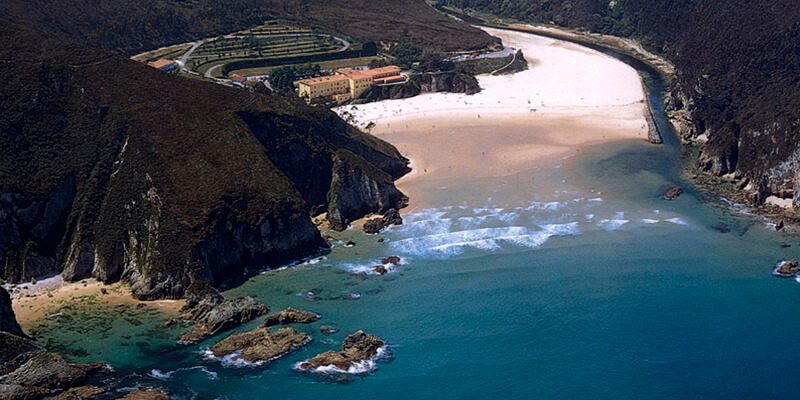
x=33, y=303
x=569, y=98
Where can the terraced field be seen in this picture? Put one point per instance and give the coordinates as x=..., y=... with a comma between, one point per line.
x=268, y=45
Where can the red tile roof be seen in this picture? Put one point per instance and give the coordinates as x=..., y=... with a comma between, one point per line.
x=161, y=63
x=323, y=79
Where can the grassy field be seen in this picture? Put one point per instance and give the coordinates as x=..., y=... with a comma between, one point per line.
x=269, y=41
x=335, y=64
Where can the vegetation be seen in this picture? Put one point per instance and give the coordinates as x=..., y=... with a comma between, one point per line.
x=487, y=65
x=133, y=26
x=269, y=45
x=282, y=79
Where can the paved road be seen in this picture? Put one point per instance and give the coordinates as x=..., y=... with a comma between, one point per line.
x=191, y=50
x=211, y=70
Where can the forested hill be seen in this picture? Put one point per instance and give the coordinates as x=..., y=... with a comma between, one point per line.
x=112, y=169
x=739, y=72
x=133, y=26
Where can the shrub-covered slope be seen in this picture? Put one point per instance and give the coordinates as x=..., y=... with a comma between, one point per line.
x=136, y=25
x=113, y=169
x=738, y=72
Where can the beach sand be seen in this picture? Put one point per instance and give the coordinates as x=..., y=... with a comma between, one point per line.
x=571, y=97
x=32, y=303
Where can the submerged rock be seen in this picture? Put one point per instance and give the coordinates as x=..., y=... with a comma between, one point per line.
x=673, y=193
x=328, y=330
x=212, y=314
x=290, y=316
x=787, y=269
x=356, y=348
x=260, y=345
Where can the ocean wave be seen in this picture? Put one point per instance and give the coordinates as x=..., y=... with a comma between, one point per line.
x=298, y=263
x=483, y=239
x=677, y=221
x=611, y=224
x=160, y=375
x=231, y=360
x=357, y=268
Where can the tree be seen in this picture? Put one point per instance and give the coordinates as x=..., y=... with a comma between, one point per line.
x=282, y=79
x=377, y=63
x=369, y=49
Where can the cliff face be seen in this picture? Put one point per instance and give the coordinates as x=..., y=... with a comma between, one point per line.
x=451, y=82
x=357, y=189
x=8, y=322
x=115, y=170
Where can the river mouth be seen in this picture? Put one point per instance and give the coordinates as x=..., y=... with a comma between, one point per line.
x=571, y=278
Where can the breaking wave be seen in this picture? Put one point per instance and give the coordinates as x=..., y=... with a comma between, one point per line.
x=483, y=239
x=160, y=375
x=357, y=368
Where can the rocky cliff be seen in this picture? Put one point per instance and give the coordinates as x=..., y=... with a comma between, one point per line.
x=359, y=188
x=8, y=322
x=115, y=170
x=452, y=82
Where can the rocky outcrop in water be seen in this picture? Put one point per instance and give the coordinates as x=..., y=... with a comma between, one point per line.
x=212, y=314
x=394, y=260
x=290, y=316
x=259, y=346
x=673, y=193
x=389, y=218
x=356, y=348
x=787, y=269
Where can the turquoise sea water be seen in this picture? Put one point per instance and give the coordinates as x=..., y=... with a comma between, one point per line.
x=574, y=280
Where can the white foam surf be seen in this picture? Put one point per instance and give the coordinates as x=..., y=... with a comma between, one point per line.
x=368, y=269
x=482, y=239
x=677, y=221
x=356, y=368
x=160, y=375
x=611, y=224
